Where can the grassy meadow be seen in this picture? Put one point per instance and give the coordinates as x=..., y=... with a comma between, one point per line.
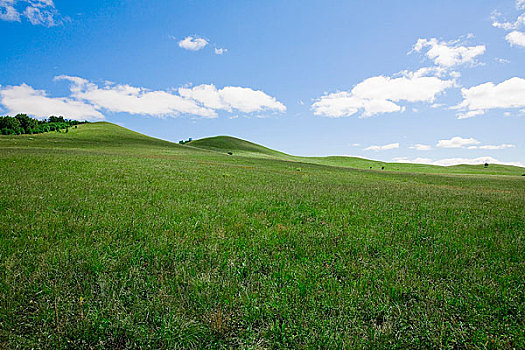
x=113, y=240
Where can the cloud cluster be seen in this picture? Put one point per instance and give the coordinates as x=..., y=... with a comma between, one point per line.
x=193, y=43
x=232, y=98
x=506, y=25
x=457, y=142
x=469, y=143
x=448, y=54
x=37, y=12
x=456, y=161
x=382, y=94
x=478, y=99
x=25, y=99
x=515, y=37
x=420, y=147
x=388, y=94
x=88, y=100
x=382, y=148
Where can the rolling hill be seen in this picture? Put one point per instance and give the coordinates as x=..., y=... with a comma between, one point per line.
x=107, y=136
x=239, y=147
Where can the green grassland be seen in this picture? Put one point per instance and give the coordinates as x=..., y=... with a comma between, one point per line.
x=111, y=239
x=225, y=144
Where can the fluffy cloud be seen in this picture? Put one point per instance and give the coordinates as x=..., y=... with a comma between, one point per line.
x=470, y=143
x=382, y=95
x=88, y=100
x=203, y=100
x=25, y=99
x=220, y=51
x=133, y=100
x=37, y=12
x=448, y=54
x=420, y=147
x=193, y=43
x=456, y=161
x=232, y=98
x=478, y=99
x=457, y=142
x=382, y=148
x=516, y=38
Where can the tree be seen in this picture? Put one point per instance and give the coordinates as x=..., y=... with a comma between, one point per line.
x=26, y=123
x=23, y=124
x=10, y=126
x=54, y=119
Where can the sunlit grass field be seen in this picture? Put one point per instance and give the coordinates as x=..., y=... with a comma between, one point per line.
x=110, y=239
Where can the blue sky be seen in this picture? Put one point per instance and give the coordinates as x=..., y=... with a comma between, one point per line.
x=438, y=82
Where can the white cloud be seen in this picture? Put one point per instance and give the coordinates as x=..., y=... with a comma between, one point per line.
x=219, y=51
x=37, y=12
x=88, y=100
x=232, y=98
x=470, y=143
x=457, y=161
x=25, y=99
x=457, y=142
x=470, y=114
x=516, y=38
x=420, y=147
x=477, y=99
x=417, y=160
x=203, y=100
x=492, y=147
x=134, y=100
x=382, y=95
x=193, y=43
x=448, y=54
x=382, y=148
x=506, y=25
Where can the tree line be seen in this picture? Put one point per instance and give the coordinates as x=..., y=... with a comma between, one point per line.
x=23, y=124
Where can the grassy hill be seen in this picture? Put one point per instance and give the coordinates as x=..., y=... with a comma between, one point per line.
x=225, y=144
x=88, y=136
x=111, y=239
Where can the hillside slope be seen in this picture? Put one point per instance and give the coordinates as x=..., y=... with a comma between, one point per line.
x=108, y=137
x=225, y=144
x=99, y=136
x=237, y=146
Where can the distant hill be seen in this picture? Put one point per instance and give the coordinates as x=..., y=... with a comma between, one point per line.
x=113, y=138
x=234, y=145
